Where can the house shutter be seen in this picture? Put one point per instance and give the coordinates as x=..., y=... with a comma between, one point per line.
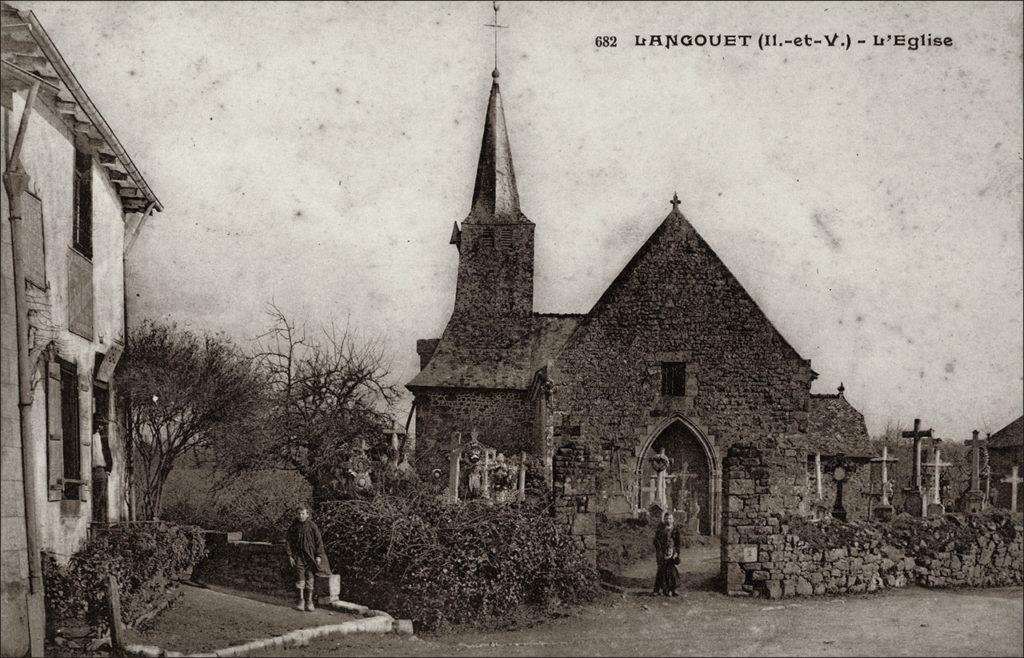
x=54, y=435
x=84, y=463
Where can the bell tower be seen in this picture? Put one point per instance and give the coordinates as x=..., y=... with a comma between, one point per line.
x=494, y=289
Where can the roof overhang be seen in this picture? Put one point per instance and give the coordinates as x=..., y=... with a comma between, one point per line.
x=29, y=55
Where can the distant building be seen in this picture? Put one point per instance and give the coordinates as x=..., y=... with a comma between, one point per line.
x=1006, y=450
x=674, y=356
x=86, y=200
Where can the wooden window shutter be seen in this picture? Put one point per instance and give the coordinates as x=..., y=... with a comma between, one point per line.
x=84, y=459
x=54, y=435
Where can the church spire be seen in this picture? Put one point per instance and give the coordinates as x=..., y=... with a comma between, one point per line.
x=495, y=196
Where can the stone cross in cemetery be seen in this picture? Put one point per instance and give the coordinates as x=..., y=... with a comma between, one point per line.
x=974, y=500
x=915, y=501
x=1013, y=479
x=936, y=508
x=884, y=509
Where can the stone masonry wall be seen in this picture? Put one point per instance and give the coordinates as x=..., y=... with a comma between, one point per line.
x=575, y=494
x=677, y=302
x=768, y=551
x=258, y=566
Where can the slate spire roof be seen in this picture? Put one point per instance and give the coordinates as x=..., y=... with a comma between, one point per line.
x=495, y=195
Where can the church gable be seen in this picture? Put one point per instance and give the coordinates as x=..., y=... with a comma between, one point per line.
x=676, y=273
x=676, y=334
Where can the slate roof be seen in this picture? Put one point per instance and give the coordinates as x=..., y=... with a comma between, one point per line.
x=834, y=426
x=1011, y=436
x=495, y=195
x=512, y=368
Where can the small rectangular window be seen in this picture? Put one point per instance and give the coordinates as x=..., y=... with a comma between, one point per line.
x=82, y=229
x=673, y=379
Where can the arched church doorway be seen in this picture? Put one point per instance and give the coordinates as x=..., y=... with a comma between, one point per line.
x=678, y=472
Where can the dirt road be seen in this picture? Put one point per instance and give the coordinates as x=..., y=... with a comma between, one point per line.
x=911, y=622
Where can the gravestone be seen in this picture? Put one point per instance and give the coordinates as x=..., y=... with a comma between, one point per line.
x=915, y=501
x=935, y=506
x=974, y=499
x=884, y=511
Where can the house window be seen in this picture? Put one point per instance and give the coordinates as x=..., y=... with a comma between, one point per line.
x=673, y=379
x=72, y=452
x=82, y=230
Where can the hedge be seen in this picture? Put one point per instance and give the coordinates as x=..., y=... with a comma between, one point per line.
x=144, y=557
x=441, y=564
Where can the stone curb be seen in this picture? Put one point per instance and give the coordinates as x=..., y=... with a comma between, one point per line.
x=374, y=621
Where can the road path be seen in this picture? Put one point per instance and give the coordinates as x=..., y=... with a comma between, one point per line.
x=910, y=622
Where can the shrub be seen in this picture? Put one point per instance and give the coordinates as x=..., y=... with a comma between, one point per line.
x=144, y=557
x=441, y=563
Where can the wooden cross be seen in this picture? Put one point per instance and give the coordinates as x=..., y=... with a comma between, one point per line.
x=496, y=27
x=975, y=444
x=885, y=460
x=1013, y=480
x=937, y=465
x=917, y=434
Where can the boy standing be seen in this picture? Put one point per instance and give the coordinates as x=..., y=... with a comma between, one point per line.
x=305, y=554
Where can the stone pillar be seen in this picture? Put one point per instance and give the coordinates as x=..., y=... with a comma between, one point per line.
x=575, y=490
x=760, y=486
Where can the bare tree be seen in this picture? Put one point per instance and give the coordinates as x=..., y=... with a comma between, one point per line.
x=328, y=393
x=182, y=392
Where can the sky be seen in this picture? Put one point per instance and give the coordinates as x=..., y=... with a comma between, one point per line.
x=317, y=154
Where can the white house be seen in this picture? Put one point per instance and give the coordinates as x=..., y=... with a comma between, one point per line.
x=63, y=466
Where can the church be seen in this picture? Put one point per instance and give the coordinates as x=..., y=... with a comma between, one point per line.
x=674, y=362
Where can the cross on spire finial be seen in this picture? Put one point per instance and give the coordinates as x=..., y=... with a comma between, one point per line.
x=675, y=202
x=496, y=26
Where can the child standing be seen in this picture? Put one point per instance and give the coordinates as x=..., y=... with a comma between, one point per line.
x=306, y=556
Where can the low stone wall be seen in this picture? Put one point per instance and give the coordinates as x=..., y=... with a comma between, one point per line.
x=248, y=565
x=769, y=551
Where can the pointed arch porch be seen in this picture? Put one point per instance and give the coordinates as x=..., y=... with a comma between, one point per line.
x=709, y=452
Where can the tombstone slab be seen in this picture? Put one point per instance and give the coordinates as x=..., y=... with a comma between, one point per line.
x=883, y=512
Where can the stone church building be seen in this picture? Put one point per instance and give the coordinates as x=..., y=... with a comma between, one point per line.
x=675, y=359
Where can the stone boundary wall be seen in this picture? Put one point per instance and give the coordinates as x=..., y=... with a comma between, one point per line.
x=769, y=549
x=250, y=565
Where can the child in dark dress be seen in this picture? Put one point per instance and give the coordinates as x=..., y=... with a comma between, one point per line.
x=666, y=551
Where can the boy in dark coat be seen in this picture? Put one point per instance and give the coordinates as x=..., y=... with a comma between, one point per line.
x=306, y=556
